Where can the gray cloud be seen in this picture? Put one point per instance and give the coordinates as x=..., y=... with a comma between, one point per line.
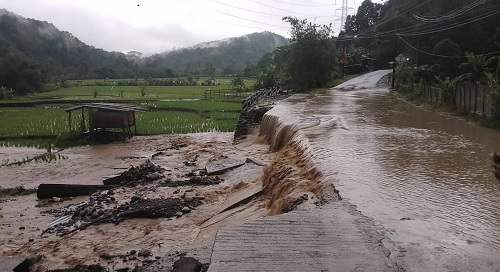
x=157, y=25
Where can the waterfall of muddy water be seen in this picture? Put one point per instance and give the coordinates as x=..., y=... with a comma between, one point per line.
x=292, y=171
x=424, y=176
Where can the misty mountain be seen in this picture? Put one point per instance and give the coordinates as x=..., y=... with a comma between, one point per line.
x=54, y=52
x=33, y=53
x=227, y=56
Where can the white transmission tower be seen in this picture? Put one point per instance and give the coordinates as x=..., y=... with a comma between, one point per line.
x=344, y=9
x=344, y=13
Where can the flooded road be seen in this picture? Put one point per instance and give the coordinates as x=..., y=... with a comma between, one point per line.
x=424, y=176
x=397, y=161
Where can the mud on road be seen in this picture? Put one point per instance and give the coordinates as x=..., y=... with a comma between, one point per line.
x=165, y=204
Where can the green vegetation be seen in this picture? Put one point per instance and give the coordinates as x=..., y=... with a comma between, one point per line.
x=16, y=191
x=35, y=56
x=39, y=118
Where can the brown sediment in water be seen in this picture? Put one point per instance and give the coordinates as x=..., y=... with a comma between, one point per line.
x=23, y=219
x=292, y=172
x=289, y=175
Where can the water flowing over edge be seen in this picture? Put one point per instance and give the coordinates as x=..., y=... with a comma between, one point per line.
x=292, y=174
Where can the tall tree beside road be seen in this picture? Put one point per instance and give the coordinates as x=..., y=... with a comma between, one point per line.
x=428, y=32
x=311, y=54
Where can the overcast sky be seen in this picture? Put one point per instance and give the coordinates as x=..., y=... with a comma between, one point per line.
x=153, y=26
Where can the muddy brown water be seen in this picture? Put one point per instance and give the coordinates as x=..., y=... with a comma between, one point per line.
x=424, y=176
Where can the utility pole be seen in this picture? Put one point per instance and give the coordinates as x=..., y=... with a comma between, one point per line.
x=395, y=49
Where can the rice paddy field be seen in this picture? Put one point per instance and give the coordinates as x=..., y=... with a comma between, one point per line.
x=38, y=120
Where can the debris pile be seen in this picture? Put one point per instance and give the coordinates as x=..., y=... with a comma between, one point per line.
x=140, y=175
x=194, y=178
x=83, y=268
x=103, y=208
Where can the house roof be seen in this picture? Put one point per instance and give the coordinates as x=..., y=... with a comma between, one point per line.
x=106, y=106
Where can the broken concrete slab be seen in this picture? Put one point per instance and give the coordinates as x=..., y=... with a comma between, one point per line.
x=8, y=264
x=249, y=172
x=242, y=196
x=222, y=165
x=112, y=180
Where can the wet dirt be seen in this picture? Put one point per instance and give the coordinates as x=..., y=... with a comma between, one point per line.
x=151, y=216
x=179, y=209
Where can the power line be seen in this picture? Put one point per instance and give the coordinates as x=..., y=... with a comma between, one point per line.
x=444, y=56
x=277, y=15
x=257, y=2
x=303, y=5
x=259, y=12
x=392, y=18
x=429, y=29
x=250, y=20
x=491, y=13
x=450, y=15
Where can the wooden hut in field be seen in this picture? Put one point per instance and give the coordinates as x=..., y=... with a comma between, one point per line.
x=105, y=116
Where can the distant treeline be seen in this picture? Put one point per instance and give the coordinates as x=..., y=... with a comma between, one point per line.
x=35, y=53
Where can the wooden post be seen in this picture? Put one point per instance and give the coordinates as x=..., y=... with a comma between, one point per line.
x=475, y=99
x=484, y=108
x=470, y=97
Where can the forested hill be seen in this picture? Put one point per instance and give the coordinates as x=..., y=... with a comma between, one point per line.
x=436, y=33
x=227, y=56
x=34, y=53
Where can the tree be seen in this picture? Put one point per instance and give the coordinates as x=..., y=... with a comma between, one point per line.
x=447, y=87
x=238, y=83
x=311, y=54
x=210, y=70
x=477, y=66
x=448, y=66
x=143, y=87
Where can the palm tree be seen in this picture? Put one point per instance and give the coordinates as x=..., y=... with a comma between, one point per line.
x=476, y=66
x=447, y=87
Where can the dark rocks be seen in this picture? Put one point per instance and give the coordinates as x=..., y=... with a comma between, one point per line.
x=106, y=256
x=249, y=120
x=135, y=198
x=83, y=268
x=293, y=205
x=144, y=253
x=192, y=162
x=194, y=178
x=141, y=174
x=187, y=264
x=153, y=176
x=80, y=216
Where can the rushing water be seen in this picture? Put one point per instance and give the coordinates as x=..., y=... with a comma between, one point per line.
x=396, y=162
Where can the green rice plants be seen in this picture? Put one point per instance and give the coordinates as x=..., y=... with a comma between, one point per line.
x=48, y=156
